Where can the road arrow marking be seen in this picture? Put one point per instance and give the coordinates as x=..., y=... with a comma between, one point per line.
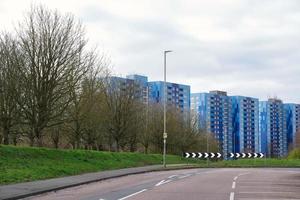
x=162, y=182
x=184, y=176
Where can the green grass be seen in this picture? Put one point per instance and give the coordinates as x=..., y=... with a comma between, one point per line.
x=295, y=154
x=21, y=164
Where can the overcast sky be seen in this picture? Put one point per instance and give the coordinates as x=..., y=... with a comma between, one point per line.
x=245, y=47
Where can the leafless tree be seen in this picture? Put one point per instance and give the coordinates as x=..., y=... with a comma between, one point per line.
x=85, y=111
x=55, y=60
x=120, y=111
x=10, y=62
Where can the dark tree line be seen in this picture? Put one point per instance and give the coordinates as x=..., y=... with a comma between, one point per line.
x=57, y=92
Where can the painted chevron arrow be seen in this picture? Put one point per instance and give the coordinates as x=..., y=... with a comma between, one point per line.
x=202, y=155
x=245, y=155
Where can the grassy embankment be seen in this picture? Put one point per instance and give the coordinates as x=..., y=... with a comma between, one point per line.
x=20, y=164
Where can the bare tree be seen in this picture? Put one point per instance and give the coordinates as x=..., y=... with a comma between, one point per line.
x=120, y=110
x=53, y=47
x=85, y=110
x=10, y=62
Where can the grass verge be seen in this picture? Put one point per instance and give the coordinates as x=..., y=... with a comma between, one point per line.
x=21, y=164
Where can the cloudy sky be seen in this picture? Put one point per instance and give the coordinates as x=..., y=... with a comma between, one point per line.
x=245, y=47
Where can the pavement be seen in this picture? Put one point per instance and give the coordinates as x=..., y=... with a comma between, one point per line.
x=23, y=190
x=191, y=184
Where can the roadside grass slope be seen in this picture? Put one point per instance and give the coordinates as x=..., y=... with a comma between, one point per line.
x=21, y=164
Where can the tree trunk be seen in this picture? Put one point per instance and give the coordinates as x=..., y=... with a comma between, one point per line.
x=38, y=134
x=146, y=149
x=6, y=135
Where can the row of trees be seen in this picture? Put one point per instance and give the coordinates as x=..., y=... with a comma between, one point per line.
x=56, y=91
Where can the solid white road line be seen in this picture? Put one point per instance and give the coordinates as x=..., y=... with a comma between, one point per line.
x=163, y=182
x=231, y=196
x=133, y=194
x=172, y=176
x=233, y=185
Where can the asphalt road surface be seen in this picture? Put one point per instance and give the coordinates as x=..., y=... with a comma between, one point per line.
x=194, y=184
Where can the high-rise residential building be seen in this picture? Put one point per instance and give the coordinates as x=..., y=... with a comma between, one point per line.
x=177, y=96
x=141, y=85
x=136, y=83
x=245, y=124
x=292, y=112
x=212, y=112
x=272, y=128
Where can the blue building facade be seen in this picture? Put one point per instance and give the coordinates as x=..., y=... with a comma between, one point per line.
x=245, y=124
x=137, y=83
x=212, y=112
x=177, y=96
x=272, y=128
x=141, y=85
x=292, y=112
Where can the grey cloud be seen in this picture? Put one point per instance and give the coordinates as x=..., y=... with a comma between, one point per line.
x=261, y=58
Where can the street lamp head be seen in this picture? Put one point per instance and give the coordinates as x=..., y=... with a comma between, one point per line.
x=168, y=51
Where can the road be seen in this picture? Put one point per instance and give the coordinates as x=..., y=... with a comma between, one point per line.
x=191, y=184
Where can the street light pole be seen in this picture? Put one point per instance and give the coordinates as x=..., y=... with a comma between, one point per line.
x=165, y=111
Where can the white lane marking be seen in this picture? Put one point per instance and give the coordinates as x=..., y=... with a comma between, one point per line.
x=172, y=176
x=233, y=185
x=235, y=178
x=187, y=175
x=231, y=196
x=133, y=194
x=163, y=182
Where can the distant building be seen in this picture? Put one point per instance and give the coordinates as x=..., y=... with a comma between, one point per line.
x=137, y=83
x=292, y=112
x=141, y=84
x=212, y=112
x=245, y=124
x=177, y=96
x=272, y=128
